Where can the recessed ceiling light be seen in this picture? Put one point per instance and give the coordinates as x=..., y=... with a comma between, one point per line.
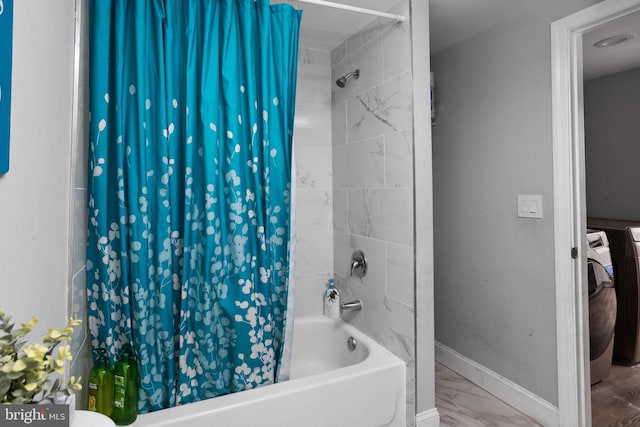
x=613, y=40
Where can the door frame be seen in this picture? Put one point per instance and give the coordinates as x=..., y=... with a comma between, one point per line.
x=574, y=388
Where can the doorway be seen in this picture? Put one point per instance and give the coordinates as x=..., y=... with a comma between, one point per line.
x=570, y=204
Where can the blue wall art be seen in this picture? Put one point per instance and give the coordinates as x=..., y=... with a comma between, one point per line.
x=6, y=42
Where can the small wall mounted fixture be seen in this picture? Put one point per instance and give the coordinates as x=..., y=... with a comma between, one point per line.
x=342, y=81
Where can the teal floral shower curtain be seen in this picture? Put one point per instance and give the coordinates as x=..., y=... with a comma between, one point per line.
x=192, y=107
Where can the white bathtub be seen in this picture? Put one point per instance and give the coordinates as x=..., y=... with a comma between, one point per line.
x=331, y=386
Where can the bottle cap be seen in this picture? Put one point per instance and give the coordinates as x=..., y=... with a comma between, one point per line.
x=102, y=359
x=127, y=352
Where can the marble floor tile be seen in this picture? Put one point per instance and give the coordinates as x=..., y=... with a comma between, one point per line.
x=463, y=404
x=615, y=401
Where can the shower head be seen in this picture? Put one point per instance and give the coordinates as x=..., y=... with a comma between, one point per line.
x=342, y=81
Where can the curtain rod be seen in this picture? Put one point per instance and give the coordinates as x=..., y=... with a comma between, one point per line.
x=397, y=18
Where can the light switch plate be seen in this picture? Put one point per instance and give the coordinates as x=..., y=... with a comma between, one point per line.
x=529, y=206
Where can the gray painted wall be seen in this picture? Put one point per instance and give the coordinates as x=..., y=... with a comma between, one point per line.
x=494, y=273
x=36, y=192
x=612, y=140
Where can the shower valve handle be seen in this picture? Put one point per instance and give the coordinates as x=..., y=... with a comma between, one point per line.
x=358, y=263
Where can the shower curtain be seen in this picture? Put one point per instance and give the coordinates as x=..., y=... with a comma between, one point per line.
x=189, y=192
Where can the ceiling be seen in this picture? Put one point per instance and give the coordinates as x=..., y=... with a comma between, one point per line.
x=325, y=28
x=452, y=21
x=600, y=62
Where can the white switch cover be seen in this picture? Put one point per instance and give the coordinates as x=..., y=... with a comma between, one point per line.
x=529, y=206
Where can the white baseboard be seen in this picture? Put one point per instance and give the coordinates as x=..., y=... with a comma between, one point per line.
x=504, y=389
x=429, y=418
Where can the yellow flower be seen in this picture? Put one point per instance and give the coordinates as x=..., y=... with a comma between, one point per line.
x=31, y=386
x=28, y=367
x=75, y=383
x=54, y=333
x=31, y=324
x=59, y=366
x=19, y=366
x=64, y=353
x=35, y=351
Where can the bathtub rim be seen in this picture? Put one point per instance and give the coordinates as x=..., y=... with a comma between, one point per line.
x=378, y=359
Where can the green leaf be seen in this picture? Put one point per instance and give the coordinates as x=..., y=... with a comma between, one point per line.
x=19, y=392
x=14, y=375
x=4, y=388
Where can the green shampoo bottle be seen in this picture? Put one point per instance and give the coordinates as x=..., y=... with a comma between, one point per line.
x=100, y=390
x=126, y=383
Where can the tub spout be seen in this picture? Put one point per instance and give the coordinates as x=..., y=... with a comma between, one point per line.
x=355, y=305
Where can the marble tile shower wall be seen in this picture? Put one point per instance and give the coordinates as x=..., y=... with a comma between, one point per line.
x=313, y=206
x=77, y=303
x=373, y=184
